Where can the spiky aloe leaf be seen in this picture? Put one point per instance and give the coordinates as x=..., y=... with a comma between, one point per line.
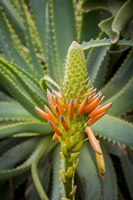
x=24, y=148
x=22, y=127
x=90, y=187
x=7, y=112
x=114, y=129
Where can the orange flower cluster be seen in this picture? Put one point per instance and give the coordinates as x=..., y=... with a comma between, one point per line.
x=62, y=112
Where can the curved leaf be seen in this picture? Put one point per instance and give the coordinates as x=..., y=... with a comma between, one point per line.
x=17, y=154
x=104, y=42
x=33, y=126
x=95, y=59
x=127, y=164
x=60, y=32
x=109, y=183
x=13, y=111
x=55, y=191
x=121, y=77
x=42, y=148
x=122, y=101
x=88, y=176
x=114, y=129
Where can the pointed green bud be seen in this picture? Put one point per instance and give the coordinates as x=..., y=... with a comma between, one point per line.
x=62, y=175
x=69, y=143
x=76, y=164
x=73, y=191
x=69, y=172
x=73, y=157
x=76, y=75
x=77, y=147
x=64, y=149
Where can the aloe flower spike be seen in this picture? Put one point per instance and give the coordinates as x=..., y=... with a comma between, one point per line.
x=72, y=111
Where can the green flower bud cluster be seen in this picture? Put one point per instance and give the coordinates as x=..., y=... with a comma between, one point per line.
x=76, y=80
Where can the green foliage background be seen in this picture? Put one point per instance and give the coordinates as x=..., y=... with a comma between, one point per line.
x=34, y=39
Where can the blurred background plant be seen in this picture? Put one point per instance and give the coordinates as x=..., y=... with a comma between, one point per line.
x=34, y=39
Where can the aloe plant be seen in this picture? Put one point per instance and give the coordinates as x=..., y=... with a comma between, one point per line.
x=34, y=40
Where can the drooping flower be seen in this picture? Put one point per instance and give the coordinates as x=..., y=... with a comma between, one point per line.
x=73, y=109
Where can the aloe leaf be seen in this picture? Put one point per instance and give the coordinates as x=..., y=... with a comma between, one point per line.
x=11, y=14
x=5, y=50
x=20, y=127
x=126, y=161
x=42, y=148
x=115, y=130
x=7, y=112
x=121, y=19
x=8, y=143
x=5, y=97
x=94, y=61
x=120, y=105
x=55, y=191
x=101, y=75
x=51, y=82
x=121, y=77
x=113, y=25
x=8, y=160
x=109, y=184
x=88, y=176
x=105, y=42
x=25, y=82
x=61, y=31
x=26, y=134
x=6, y=174
x=89, y=28
x=40, y=19
x=13, y=53
x=29, y=40
x=18, y=94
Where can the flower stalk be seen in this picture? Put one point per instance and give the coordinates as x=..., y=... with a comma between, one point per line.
x=71, y=112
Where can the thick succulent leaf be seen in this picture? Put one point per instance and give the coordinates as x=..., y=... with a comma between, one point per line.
x=40, y=19
x=89, y=28
x=21, y=152
x=21, y=127
x=127, y=164
x=126, y=159
x=101, y=75
x=6, y=174
x=118, y=22
x=10, y=50
x=122, y=101
x=24, y=81
x=14, y=19
x=55, y=191
x=115, y=130
x=88, y=176
x=41, y=150
x=17, y=93
x=13, y=111
x=5, y=97
x=120, y=78
x=8, y=143
x=30, y=44
x=94, y=61
x=61, y=31
x=104, y=42
x=109, y=184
